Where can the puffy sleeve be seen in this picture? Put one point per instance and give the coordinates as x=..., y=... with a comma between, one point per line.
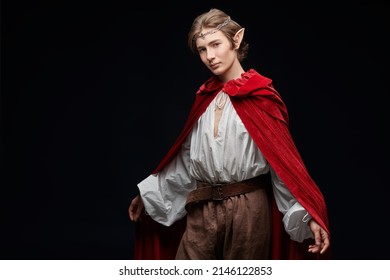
x=164, y=193
x=295, y=216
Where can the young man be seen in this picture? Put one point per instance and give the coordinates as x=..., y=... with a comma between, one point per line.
x=234, y=175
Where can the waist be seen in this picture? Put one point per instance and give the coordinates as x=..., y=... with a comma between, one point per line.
x=206, y=191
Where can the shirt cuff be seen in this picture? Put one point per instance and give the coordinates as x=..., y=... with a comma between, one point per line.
x=296, y=223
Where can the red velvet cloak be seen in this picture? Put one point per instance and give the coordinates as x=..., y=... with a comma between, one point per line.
x=265, y=116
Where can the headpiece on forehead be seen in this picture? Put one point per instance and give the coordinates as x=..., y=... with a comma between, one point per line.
x=219, y=26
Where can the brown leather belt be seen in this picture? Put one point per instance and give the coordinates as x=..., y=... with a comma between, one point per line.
x=206, y=191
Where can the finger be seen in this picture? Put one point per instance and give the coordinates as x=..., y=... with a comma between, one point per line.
x=324, y=248
x=138, y=213
x=132, y=210
x=313, y=249
x=325, y=245
x=131, y=213
x=134, y=205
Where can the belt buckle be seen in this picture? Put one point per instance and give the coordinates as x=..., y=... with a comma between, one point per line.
x=217, y=192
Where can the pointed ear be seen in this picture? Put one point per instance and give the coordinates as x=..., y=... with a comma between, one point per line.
x=238, y=38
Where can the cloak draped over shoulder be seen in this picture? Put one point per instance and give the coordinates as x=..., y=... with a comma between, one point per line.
x=265, y=116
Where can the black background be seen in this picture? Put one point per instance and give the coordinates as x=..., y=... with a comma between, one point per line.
x=93, y=95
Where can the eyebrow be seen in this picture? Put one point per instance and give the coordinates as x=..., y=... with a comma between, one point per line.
x=209, y=43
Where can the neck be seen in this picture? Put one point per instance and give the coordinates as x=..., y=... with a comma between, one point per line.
x=234, y=72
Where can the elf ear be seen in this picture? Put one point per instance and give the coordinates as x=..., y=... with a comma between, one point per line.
x=238, y=37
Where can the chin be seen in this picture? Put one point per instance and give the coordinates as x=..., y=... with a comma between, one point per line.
x=218, y=71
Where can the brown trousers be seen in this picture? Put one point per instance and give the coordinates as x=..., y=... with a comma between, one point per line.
x=235, y=228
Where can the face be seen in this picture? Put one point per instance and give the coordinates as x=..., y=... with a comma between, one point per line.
x=217, y=53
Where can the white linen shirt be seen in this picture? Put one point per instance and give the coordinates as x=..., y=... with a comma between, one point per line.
x=231, y=156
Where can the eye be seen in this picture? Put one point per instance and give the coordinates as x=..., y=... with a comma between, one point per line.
x=201, y=50
x=216, y=45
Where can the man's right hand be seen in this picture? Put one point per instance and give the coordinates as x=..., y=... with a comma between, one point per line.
x=136, y=209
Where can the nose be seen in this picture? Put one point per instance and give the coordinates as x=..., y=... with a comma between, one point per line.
x=210, y=55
